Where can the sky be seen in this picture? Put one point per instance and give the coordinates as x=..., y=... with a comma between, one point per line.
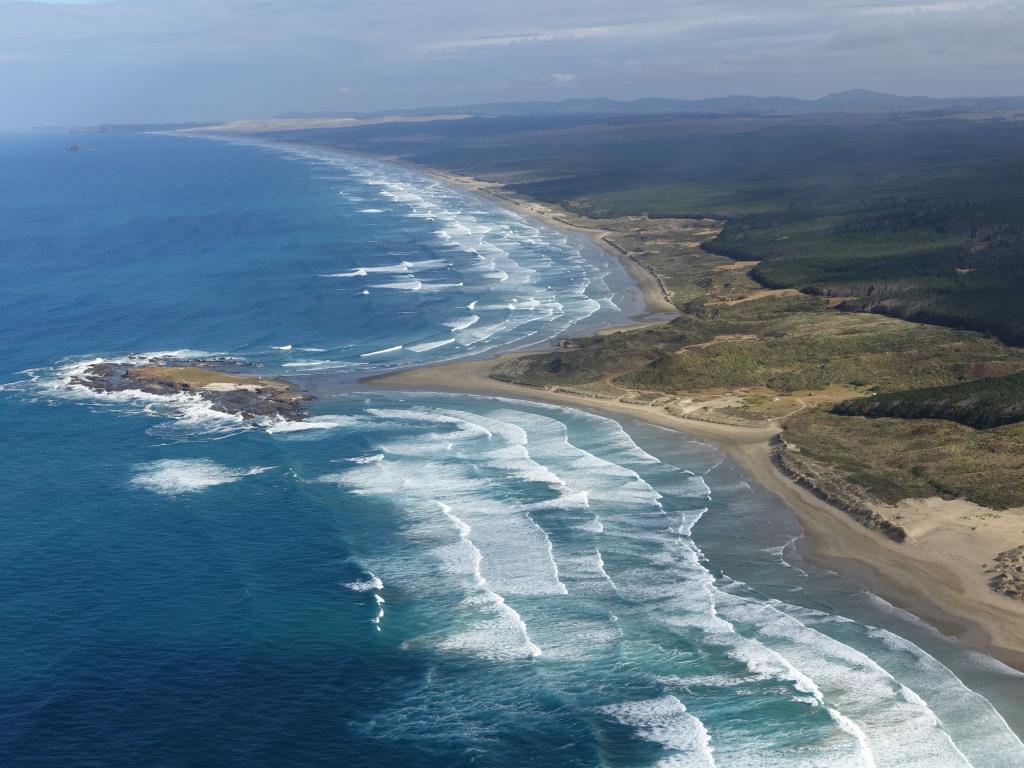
x=83, y=62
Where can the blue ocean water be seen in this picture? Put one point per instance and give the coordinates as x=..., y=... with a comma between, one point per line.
x=407, y=579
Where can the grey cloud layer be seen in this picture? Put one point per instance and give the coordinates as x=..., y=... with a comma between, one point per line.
x=126, y=60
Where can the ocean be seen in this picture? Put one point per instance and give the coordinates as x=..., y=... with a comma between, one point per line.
x=406, y=579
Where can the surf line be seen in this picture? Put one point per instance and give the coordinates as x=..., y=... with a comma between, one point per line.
x=382, y=351
x=464, y=531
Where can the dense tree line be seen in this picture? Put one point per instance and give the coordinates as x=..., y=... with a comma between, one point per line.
x=981, y=404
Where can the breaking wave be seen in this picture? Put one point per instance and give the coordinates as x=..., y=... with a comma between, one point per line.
x=172, y=477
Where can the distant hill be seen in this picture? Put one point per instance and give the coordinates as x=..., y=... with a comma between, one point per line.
x=844, y=102
x=855, y=101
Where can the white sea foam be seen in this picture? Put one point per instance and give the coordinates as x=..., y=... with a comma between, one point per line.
x=429, y=345
x=981, y=732
x=565, y=500
x=310, y=363
x=687, y=520
x=283, y=426
x=475, y=638
x=382, y=351
x=172, y=477
x=365, y=585
x=371, y=584
x=429, y=416
x=665, y=721
x=436, y=287
x=403, y=285
x=632, y=492
x=371, y=459
x=463, y=322
x=283, y=347
x=599, y=561
x=358, y=272
x=529, y=569
x=403, y=267
x=894, y=720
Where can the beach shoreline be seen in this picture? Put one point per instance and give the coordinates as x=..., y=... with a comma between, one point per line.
x=655, y=295
x=925, y=582
x=949, y=592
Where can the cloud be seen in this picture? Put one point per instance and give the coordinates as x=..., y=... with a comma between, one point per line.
x=157, y=60
x=561, y=78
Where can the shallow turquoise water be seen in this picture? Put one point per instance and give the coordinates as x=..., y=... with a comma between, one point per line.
x=419, y=580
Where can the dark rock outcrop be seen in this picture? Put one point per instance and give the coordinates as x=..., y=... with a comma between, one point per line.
x=246, y=395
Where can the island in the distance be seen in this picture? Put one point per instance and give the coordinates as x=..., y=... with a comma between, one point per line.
x=248, y=396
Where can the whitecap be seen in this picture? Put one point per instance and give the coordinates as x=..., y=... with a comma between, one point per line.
x=429, y=345
x=172, y=477
x=365, y=585
x=665, y=721
x=382, y=351
x=372, y=459
x=405, y=285
x=284, y=426
x=463, y=322
x=481, y=639
x=307, y=363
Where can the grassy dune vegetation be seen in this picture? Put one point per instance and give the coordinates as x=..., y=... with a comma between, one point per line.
x=894, y=459
x=788, y=345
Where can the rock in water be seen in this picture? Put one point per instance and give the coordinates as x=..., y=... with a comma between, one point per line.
x=248, y=396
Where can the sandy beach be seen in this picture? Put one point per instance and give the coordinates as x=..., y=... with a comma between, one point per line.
x=937, y=575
